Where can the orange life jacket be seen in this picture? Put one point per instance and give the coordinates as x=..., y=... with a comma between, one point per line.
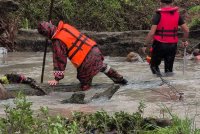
x=77, y=43
x=168, y=26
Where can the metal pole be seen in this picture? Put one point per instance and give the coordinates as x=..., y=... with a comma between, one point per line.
x=184, y=61
x=46, y=44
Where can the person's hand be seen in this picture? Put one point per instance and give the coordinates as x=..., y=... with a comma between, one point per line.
x=184, y=43
x=53, y=82
x=143, y=49
x=148, y=50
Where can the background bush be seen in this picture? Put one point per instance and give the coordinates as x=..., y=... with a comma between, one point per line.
x=99, y=15
x=195, y=21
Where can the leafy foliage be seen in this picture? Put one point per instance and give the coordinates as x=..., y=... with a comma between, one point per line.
x=33, y=11
x=20, y=119
x=195, y=21
x=95, y=15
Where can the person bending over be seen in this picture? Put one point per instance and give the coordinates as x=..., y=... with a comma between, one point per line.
x=83, y=52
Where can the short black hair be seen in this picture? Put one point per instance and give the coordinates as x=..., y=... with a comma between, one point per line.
x=167, y=1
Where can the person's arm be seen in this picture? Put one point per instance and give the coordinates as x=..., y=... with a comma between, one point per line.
x=155, y=22
x=59, y=61
x=185, y=29
x=150, y=35
x=149, y=38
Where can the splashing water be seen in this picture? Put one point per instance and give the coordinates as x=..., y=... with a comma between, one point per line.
x=142, y=85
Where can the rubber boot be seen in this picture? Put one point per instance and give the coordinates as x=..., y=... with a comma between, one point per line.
x=116, y=77
x=156, y=70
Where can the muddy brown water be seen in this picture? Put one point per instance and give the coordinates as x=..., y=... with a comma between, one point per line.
x=142, y=86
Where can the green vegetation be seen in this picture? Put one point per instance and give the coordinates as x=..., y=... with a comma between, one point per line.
x=97, y=15
x=195, y=20
x=20, y=119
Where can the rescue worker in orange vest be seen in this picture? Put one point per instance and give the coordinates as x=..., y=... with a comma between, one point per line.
x=164, y=35
x=83, y=52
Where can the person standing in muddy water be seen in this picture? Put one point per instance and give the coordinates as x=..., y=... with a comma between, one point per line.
x=83, y=52
x=164, y=32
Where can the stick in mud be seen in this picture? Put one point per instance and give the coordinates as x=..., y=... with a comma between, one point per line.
x=173, y=89
x=184, y=61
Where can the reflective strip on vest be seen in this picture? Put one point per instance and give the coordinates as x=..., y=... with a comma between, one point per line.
x=74, y=44
x=78, y=48
x=74, y=35
x=167, y=33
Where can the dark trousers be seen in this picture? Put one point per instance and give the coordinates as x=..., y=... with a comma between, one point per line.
x=108, y=71
x=163, y=51
x=94, y=64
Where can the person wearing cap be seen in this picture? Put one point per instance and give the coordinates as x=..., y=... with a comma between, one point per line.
x=164, y=34
x=83, y=52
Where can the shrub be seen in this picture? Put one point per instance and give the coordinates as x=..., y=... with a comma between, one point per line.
x=195, y=21
x=20, y=119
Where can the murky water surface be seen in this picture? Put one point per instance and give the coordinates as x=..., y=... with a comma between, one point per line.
x=143, y=86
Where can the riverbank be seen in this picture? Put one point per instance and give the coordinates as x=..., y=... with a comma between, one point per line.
x=110, y=43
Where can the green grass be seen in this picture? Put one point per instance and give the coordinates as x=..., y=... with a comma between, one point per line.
x=20, y=119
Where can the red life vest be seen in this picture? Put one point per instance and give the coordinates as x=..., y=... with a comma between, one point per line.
x=77, y=43
x=167, y=29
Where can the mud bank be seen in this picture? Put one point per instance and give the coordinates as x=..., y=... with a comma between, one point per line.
x=110, y=43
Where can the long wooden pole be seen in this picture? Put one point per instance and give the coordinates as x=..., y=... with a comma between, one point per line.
x=46, y=44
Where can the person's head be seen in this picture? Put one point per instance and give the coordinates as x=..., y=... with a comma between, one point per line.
x=167, y=2
x=196, y=52
x=46, y=29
